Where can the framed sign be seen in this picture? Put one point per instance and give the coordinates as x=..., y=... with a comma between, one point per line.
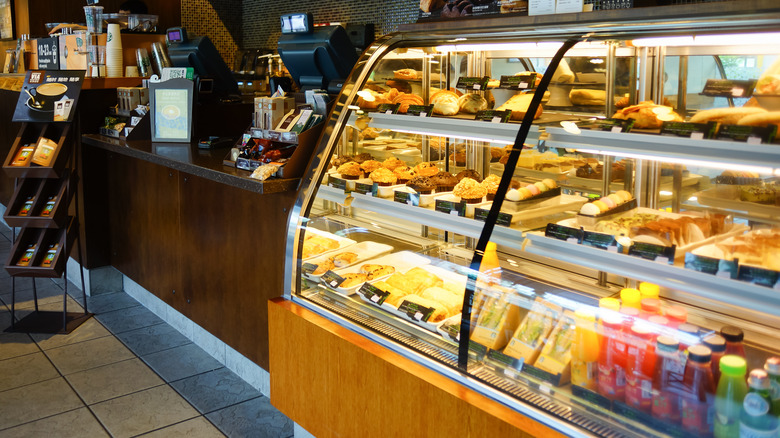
x=171, y=110
x=49, y=96
x=6, y=19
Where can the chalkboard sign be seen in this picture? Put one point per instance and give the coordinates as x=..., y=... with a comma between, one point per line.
x=48, y=53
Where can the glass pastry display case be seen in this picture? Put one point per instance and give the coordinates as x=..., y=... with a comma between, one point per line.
x=602, y=220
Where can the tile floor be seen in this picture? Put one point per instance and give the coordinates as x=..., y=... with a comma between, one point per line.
x=123, y=373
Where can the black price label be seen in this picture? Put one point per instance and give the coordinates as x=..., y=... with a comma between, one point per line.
x=526, y=81
x=504, y=360
x=560, y=232
x=591, y=397
x=308, y=268
x=543, y=375
x=695, y=131
x=729, y=87
x=649, y=251
x=373, y=294
x=710, y=265
x=477, y=349
x=473, y=83
x=452, y=330
x=406, y=198
x=388, y=108
x=364, y=189
x=503, y=219
x=747, y=134
x=338, y=183
x=494, y=116
x=599, y=240
x=415, y=311
x=759, y=276
x=613, y=125
x=420, y=110
x=450, y=207
x=332, y=279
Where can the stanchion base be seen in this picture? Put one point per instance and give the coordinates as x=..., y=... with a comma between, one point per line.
x=49, y=322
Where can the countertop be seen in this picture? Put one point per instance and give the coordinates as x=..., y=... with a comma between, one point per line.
x=189, y=159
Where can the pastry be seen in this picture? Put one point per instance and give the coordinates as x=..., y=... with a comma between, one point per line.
x=579, y=96
x=458, y=158
x=399, y=84
x=383, y=177
x=762, y=194
x=761, y=119
x=324, y=267
x=426, y=168
x=350, y=170
x=371, y=99
x=445, y=102
x=589, y=209
x=338, y=161
x=648, y=115
x=316, y=245
x=422, y=185
x=344, y=259
x=403, y=174
x=509, y=6
x=549, y=183
x=369, y=166
x=405, y=100
x=518, y=104
x=470, y=191
x=353, y=279
x=727, y=116
x=406, y=73
x=415, y=280
x=395, y=293
x=376, y=271
x=452, y=301
x=491, y=185
x=472, y=103
x=439, y=311
x=444, y=181
x=469, y=173
x=360, y=158
x=392, y=163
x=496, y=154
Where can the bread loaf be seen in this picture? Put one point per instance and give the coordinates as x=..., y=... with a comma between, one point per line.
x=445, y=103
x=472, y=103
x=580, y=96
x=518, y=104
x=761, y=119
x=728, y=116
x=648, y=115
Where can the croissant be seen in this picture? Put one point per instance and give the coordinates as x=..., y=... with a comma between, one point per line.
x=406, y=99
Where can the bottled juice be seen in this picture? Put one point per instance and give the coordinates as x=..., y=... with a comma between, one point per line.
x=756, y=419
x=659, y=322
x=717, y=345
x=698, y=392
x=733, y=336
x=585, y=351
x=729, y=396
x=612, y=360
x=490, y=265
x=772, y=367
x=649, y=290
x=649, y=307
x=677, y=315
x=630, y=297
x=689, y=335
x=640, y=367
x=610, y=304
x=667, y=379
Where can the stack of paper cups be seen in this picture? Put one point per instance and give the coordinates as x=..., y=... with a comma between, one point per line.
x=114, y=64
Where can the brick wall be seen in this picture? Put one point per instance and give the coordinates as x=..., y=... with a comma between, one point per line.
x=220, y=20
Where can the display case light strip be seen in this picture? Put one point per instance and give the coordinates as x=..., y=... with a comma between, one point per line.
x=552, y=46
x=439, y=134
x=687, y=161
x=709, y=40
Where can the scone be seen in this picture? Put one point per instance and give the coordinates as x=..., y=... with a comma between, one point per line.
x=445, y=102
x=472, y=103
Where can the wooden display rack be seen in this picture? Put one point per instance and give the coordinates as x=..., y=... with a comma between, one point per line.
x=39, y=206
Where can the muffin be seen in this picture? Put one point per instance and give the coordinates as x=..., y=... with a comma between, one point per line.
x=404, y=174
x=392, y=162
x=470, y=191
x=496, y=154
x=458, y=158
x=383, y=177
x=338, y=161
x=469, y=173
x=426, y=169
x=369, y=166
x=491, y=185
x=444, y=181
x=360, y=158
x=422, y=185
x=350, y=170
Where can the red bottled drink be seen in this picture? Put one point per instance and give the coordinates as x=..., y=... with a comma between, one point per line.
x=698, y=392
x=640, y=367
x=677, y=315
x=688, y=335
x=667, y=380
x=733, y=336
x=612, y=361
x=717, y=345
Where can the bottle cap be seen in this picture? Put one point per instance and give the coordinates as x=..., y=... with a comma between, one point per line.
x=677, y=313
x=716, y=343
x=732, y=334
x=610, y=303
x=733, y=365
x=667, y=344
x=641, y=331
x=658, y=320
x=759, y=379
x=772, y=366
x=699, y=354
x=649, y=290
x=651, y=305
x=584, y=315
x=630, y=297
x=630, y=311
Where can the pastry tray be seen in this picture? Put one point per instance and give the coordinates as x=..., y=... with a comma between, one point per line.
x=727, y=197
x=401, y=261
x=546, y=207
x=364, y=251
x=343, y=241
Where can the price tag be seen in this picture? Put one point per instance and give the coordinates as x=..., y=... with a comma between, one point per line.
x=423, y=114
x=747, y=134
x=560, y=232
x=308, y=268
x=610, y=125
x=420, y=110
x=373, y=294
x=754, y=140
x=406, y=198
x=332, y=279
x=599, y=240
x=493, y=116
x=388, y=108
x=496, y=120
x=364, y=189
x=338, y=183
x=473, y=83
x=648, y=251
x=518, y=82
x=449, y=207
x=729, y=88
x=415, y=311
x=697, y=135
x=503, y=219
x=616, y=129
x=758, y=275
x=695, y=131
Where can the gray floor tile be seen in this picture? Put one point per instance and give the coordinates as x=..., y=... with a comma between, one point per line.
x=33, y=402
x=54, y=306
x=152, y=339
x=255, y=418
x=128, y=319
x=114, y=380
x=181, y=362
x=90, y=329
x=78, y=423
x=215, y=390
x=15, y=344
x=196, y=428
x=47, y=292
x=25, y=370
x=88, y=354
x=103, y=303
x=143, y=411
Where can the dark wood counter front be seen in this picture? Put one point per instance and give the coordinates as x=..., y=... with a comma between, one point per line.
x=201, y=236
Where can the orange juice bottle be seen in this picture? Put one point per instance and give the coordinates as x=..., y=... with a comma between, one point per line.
x=585, y=351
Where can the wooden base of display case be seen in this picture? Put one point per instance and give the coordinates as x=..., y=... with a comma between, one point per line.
x=335, y=383
x=49, y=322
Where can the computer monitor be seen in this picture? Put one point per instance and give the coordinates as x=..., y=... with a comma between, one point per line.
x=200, y=54
x=316, y=59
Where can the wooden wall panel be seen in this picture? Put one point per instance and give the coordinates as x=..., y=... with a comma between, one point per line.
x=335, y=383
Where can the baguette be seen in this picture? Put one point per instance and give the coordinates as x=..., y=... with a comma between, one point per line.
x=761, y=119
x=579, y=96
x=728, y=116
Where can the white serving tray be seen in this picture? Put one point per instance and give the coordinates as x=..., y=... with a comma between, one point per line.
x=402, y=261
x=364, y=251
x=727, y=196
x=343, y=241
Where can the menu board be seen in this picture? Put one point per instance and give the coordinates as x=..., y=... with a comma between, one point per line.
x=49, y=96
x=171, y=110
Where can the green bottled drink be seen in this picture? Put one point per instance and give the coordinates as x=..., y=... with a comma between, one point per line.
x=756, y=419
x=731, y=392
x=772, y=367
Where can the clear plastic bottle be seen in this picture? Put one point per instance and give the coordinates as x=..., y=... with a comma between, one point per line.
x=698, y=392
x=612, y=360
x=667, y=380
x=585, y=351
x=772, y=367
x=756, y=419
x=650, y=307
x=649, y=290
x=677, y=315
x=689, y=335
x=729, y=396
x=717, y=345
x=640, y=367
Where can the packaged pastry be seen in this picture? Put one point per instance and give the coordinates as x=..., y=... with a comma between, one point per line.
x=529, y=338
x=498, y=319
x=556, y=354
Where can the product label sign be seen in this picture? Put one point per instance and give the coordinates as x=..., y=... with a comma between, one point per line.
x=729, y=88
x=695, y=131
x=388, y=108
x=332, y=279
x=364, y=189
x=541, y=374
x=591, y=397
x=612, y=125
x=657, y=253
x=747, y=134
x=504, y=219
x=308, y=268
x=406, y=198
x=598, y=240
x=477, y=350
x=415, y=311
x=505, y=363
x=759, y=276
x=373, y=294
x=420, y=110
x=473, y=83
x=710, y=265
x=525, y=81
x=561, y=232
x=338, y=183
x=494, y=116
x=450, y=207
